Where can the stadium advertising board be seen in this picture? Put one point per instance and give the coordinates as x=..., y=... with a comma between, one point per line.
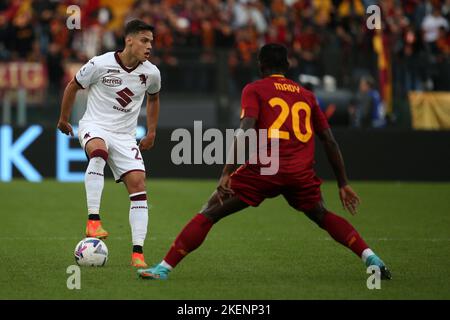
x=34, y=153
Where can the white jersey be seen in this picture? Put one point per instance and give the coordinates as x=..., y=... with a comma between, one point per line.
x=116, y=92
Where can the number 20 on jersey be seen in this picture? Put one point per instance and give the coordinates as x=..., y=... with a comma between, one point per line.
x=274, y=130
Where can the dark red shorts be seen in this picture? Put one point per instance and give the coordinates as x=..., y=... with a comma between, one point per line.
x=300, y=189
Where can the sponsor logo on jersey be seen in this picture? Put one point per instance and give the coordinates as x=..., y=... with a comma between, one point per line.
x=121, y=109
x=111, y=81
x=124, y=95
x=143, y=79
x=113, y=71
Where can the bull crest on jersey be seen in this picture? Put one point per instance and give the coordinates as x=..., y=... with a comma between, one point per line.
x=143, y=79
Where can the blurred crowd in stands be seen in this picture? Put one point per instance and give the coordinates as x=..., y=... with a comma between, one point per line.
x=324, y=37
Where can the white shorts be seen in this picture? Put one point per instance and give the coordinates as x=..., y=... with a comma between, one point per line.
x=124, y=155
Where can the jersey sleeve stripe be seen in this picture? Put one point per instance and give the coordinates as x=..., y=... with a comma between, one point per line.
x=78, y=83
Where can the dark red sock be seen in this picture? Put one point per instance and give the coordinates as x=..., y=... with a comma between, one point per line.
x=344, y=233
x=189, y=239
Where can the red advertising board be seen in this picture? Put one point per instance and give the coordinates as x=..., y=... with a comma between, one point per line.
x=28, y=75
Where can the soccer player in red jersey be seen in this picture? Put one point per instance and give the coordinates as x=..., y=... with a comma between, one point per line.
x=291, y=115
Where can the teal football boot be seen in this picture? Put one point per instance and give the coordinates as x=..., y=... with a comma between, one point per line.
x=374, y=260
x=157, y=272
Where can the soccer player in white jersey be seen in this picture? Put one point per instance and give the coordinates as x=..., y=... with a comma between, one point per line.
x=117, y=83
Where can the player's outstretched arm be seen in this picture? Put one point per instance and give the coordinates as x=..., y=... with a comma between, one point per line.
x=349, y=198
x=66, y=107
x=152, y=122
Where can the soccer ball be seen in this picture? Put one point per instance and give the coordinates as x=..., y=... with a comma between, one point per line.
x=91, y=252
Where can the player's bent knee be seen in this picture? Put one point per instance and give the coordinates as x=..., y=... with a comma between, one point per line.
x=215, y=211
x=212, y=211
x=317, y=214
x=138, y=186
x=211, y=216
x=135, y=182
x=95, y=144
x=212, y=202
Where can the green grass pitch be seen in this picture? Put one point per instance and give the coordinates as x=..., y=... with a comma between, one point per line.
x=270, y=252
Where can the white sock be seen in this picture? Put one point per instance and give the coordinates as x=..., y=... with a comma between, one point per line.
x=365, y=254
x=165, y=264
x=138, y=217
x=94, y=181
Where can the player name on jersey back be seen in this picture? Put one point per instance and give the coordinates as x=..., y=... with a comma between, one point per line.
x=286, y=87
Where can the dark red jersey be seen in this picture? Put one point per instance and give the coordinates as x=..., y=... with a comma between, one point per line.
x=282, y=104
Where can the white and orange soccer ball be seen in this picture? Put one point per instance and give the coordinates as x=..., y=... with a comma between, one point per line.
x=91, y=252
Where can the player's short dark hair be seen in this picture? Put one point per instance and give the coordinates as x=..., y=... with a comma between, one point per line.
x=273, y=56
x=135, y=26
